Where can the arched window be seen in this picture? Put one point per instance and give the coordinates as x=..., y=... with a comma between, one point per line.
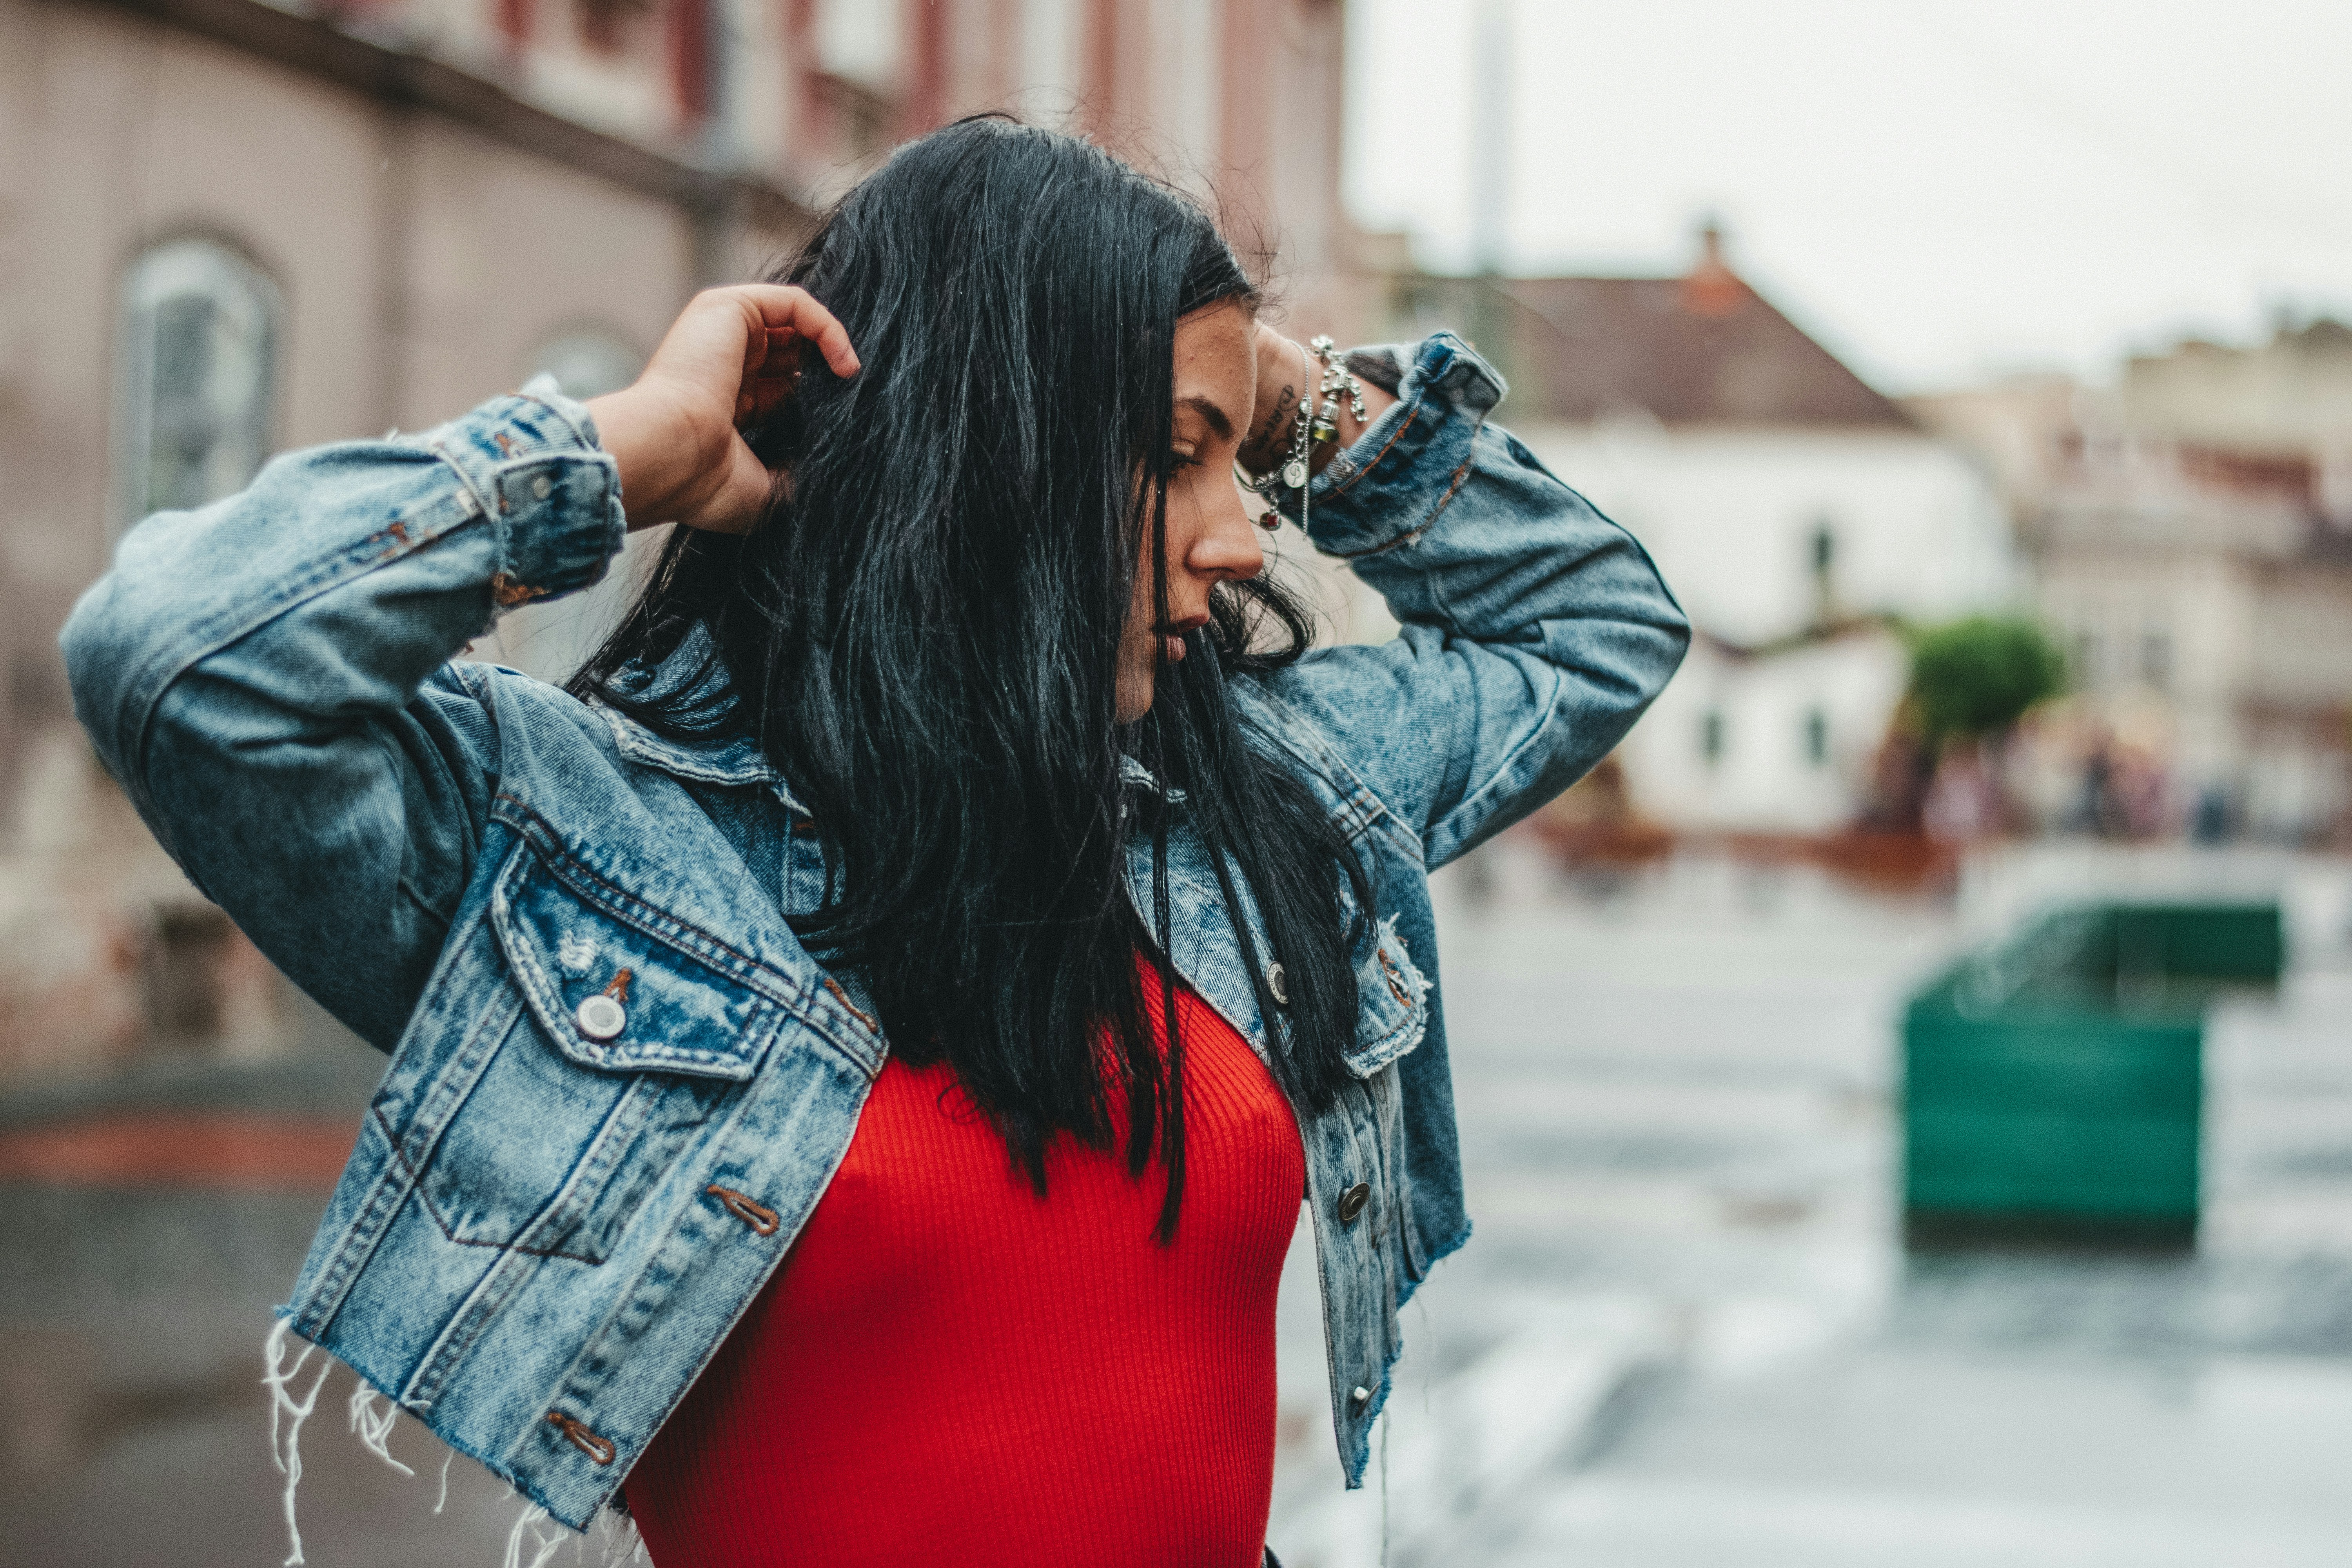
x=587, y=361
x=200, y=337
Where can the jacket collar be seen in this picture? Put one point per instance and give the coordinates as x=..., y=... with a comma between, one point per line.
x=693, y=679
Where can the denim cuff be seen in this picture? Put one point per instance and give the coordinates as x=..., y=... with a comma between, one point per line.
x=551, y=496
x=1389, y=485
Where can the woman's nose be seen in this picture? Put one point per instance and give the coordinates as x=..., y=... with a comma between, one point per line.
x=1231, y=545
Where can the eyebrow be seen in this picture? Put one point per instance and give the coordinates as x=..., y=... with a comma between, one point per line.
x=1208, y=410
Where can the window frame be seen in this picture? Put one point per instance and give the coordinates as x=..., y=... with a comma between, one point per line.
x=253, y=289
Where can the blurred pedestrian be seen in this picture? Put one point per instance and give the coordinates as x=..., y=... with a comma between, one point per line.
x=956, y=882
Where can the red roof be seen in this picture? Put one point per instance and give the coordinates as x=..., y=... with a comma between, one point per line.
x=1704, y=349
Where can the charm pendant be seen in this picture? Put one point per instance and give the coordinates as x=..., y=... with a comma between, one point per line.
x=1294, y=473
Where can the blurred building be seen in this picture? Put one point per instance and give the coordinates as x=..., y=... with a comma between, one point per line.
x=2190, y=531
x=1792, y=508
x=228, y=228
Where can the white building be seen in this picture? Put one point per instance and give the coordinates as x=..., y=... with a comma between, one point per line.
x=1792, y=509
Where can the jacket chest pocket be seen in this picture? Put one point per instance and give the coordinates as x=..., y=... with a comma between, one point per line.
x=625, y=1030
x=1392, y=1002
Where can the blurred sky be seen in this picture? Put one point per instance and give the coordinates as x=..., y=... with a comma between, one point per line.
x=1941, y=190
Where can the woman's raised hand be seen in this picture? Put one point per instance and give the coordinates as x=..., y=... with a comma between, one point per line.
x=727, y=361
x=1287, y=372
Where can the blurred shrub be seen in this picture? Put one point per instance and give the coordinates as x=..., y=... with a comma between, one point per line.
x=1979, y=676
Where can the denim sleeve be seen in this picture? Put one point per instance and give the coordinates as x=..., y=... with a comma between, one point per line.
x=269, y=678
x=1535, y=631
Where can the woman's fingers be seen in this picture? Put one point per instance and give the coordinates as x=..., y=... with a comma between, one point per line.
x=794, y=313
x=727, y=361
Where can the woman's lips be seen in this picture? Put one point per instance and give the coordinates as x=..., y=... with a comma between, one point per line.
x=1173, y=647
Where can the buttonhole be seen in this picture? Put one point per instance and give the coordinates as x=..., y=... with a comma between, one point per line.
x=587, y=1442
x=758, y=1216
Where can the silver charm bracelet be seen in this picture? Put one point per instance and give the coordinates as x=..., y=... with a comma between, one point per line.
x=1318, y=420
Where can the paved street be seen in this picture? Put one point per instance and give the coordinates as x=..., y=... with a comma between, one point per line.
x=1682, y=1335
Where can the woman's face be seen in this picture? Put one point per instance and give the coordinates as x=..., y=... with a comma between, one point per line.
x=1211, y=536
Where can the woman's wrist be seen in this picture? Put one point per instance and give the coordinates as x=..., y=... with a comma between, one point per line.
x=652, y=441
x=1288, y=372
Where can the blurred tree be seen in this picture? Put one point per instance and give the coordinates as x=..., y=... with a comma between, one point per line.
x=1971, y=681
x=1978, y=676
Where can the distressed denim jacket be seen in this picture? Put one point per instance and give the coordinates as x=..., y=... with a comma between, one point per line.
x=618, y=1084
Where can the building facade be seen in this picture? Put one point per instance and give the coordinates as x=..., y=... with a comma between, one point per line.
x=1794, y=508
x=230, y=227
x=2190, y=533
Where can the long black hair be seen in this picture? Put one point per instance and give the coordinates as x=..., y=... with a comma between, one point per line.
x=923, y=633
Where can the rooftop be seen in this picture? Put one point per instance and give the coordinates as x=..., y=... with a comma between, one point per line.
x=1702, y=349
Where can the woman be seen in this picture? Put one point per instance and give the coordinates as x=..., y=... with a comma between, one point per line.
x=856, y=1052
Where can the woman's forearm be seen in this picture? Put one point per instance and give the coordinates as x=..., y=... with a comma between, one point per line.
x=1536, y=630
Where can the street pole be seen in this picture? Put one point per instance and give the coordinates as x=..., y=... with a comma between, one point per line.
x=1490, y=177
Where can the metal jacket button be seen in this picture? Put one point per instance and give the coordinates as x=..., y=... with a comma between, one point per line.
x=1276, y=982
x=600, y=1017
x=1352, y=1202
x=541, y=485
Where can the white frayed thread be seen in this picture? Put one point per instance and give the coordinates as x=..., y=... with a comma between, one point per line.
x=617, y=1540
x=544, y=1544
x=288, y=1456
x=371, y=1425
x=442, y=1500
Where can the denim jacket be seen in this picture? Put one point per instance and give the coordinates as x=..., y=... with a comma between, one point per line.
x=618, y=1084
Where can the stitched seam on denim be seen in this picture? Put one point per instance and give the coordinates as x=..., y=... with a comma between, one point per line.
x=366, y=1231
x=801, y=1005
x=315, y=1313
x=1328, y=1263
x=506, y=1278
x=651, y=921
x=1353, y=1251
x=1403, y=1027
x=213, y=634
x=509, y=1272
x=484, y=503
x=1412, y=535
x=445, y=1089
x=693, y=1228
x=590, y=1181
x=425, y=1199
x=548, y=996
x=632, y=741
x=569, y=423
x=498, y=415
x=1446, y=500
x=1339, y=768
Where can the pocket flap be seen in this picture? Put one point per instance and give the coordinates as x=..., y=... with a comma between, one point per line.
x=1392, y=1002
x=623, y=988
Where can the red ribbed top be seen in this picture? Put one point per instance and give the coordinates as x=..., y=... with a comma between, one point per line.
x=950, y=1369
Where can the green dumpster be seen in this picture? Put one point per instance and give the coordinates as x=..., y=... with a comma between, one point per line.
x=2053, y=1081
